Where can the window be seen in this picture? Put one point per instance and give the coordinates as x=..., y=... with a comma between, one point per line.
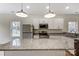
x=16, y=34
x=16, y=42
x=15, y=29
x=73, y=27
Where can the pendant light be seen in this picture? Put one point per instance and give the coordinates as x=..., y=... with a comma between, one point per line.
x=50, y=14
x=21, y=13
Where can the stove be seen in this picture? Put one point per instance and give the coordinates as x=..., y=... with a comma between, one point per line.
x=43, y=34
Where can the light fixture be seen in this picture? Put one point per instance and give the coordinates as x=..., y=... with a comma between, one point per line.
x=50, y=14
x=47, y=7
x=21, y=13
x=67, y=7
x=28, y=7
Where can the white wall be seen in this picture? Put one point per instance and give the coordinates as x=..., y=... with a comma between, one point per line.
x=69, y=18
x=5, y=20
x=4, y=34
x=4, y=29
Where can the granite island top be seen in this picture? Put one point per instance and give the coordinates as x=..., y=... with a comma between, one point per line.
x=53, y=43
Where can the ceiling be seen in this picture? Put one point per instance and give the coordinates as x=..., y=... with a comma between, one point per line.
x=39, y=8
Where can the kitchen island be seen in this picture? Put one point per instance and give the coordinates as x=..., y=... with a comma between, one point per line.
x=55, y=45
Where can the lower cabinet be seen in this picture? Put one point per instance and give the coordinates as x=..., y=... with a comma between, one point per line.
x=33, y=53
x=2, y=53
x=76, y=45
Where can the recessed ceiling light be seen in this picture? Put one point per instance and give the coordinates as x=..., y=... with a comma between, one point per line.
x=47, y=7
x=67, y=7
x=28, y=7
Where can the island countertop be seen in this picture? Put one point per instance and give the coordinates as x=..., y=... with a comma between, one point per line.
x=55, y=42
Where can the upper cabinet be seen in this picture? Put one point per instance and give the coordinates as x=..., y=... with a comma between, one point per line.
x=57, y=23
x=36, y=23
x=60, y=23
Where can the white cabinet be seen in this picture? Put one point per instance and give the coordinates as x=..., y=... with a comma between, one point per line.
x=36, y=23
x=60, y=23
x=43, y=21
x=1, y=53
x=50, y=24
x=56, y=23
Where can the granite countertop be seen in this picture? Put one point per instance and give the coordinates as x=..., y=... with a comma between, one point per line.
x=53, y=43
x=71, y=51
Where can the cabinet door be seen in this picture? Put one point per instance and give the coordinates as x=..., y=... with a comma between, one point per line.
x=36, y=23
x=53, y=24
x=60, y=23
x=1, y=53
x=50, y=24
x=56, y=23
